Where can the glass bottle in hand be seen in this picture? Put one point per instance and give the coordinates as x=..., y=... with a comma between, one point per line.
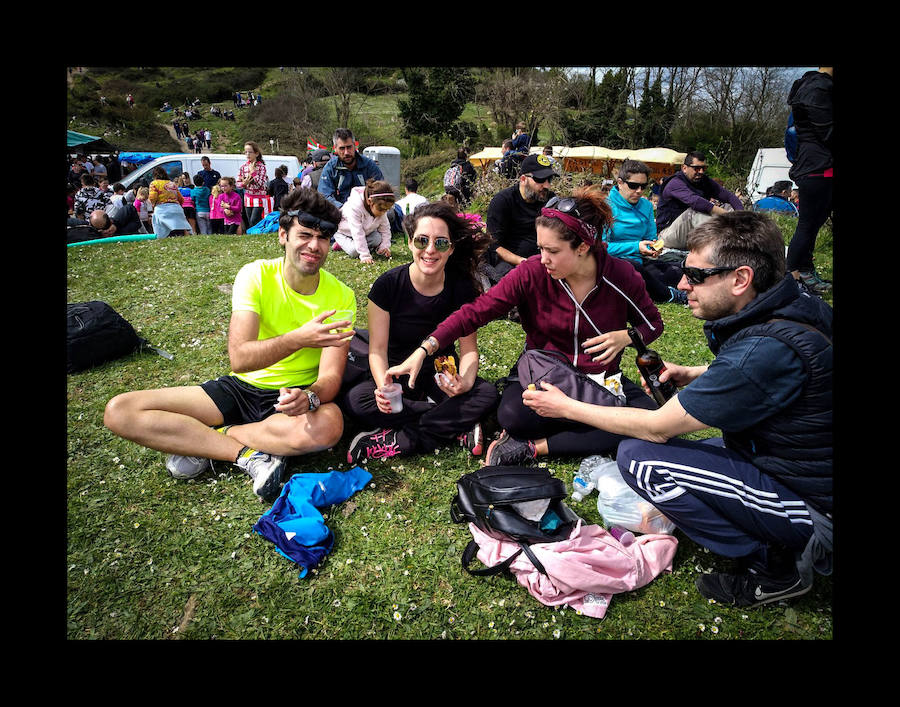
x=651, y=365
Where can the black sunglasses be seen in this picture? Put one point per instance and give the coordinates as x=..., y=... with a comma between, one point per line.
x=327, y=228
x=541, y=180
x=698, y=167
x=636, y=185
x=565, y=204
x=441, y=243
x=696, y=276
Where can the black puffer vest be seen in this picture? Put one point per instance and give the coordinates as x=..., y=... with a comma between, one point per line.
x=793, y=446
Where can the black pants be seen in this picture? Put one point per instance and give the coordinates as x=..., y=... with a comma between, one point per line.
x=423, y=426
x=658, y=277
x=564, y=437
x=815, y=208
x=252, y=216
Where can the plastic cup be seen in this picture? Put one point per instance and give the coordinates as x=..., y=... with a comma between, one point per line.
x=340, y=316
x=393, y=393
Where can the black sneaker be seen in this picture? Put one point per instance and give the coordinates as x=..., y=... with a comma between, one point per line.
x=750, y=589
x=678, y=296
x=507, y=451
x=375, y=444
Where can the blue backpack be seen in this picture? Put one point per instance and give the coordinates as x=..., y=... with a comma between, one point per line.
x=790, y=138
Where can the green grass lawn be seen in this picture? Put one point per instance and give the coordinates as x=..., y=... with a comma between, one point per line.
x=149, y=557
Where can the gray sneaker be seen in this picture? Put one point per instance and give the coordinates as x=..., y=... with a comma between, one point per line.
x=180, y=467
x=266, y=471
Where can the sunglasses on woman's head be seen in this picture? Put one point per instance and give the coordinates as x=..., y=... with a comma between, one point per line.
x=441, y=243
x=696, y=276
x=566, y=205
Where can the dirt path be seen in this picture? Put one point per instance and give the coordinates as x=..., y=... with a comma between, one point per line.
x=183, y=143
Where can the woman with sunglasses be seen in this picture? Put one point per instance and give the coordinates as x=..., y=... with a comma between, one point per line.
x=405, y=304
x=572, y=298
x=364, y=222
x=633, y=233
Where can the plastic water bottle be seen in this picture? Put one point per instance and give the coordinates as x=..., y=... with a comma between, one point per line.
x=582, y=485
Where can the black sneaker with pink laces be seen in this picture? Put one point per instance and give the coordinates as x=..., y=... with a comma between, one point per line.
x=374, y=444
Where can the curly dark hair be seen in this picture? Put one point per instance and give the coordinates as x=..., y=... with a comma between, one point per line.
x=310, y=201
x=468, y=248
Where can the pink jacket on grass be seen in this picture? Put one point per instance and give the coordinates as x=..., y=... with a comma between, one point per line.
x=584, y=571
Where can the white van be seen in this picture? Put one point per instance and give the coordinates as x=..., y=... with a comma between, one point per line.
x=769, y=166
x=224, y=164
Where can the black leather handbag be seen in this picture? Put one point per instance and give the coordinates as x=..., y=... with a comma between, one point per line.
x=492, y=498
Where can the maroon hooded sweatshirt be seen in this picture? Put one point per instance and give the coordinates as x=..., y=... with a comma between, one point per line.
x=550, y=317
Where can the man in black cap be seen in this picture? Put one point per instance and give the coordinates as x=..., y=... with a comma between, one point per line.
x=309, y=178
x=511, y=215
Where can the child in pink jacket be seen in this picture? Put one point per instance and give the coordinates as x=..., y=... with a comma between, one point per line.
x=364, y=225
x=228, y=204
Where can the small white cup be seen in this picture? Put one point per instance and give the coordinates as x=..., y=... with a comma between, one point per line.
x=393, y=394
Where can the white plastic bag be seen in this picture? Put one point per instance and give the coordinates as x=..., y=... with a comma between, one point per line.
x=619, y=504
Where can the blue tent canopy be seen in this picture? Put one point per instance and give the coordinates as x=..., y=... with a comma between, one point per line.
x=142, y=157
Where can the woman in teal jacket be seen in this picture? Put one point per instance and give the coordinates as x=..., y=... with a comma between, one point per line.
x=633, y=233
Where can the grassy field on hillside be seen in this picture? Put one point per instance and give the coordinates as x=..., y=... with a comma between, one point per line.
x=149, y=557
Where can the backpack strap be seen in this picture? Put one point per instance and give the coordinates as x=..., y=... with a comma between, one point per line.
x=162, y=352
x=472, y=548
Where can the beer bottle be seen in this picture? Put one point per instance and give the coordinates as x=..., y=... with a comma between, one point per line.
x=651, y=365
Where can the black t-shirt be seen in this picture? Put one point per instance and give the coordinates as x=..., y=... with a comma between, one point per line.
x=510, y=220
x=414, y=315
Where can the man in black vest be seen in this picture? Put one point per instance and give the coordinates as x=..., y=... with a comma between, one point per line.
x=762, y=493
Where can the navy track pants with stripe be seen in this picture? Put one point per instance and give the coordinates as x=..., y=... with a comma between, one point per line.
x=715, y=496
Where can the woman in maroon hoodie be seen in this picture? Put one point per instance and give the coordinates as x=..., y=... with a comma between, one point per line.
x=572, y=298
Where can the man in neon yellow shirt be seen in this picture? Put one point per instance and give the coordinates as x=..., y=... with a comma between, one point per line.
x=286, y=365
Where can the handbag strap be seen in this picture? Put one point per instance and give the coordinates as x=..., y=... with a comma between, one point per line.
x=472, y=548
x=469, y=554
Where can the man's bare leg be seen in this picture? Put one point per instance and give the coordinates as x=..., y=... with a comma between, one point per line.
x=174, y=420
x=292, y=436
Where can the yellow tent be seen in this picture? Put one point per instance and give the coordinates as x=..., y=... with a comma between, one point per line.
x=597, y=160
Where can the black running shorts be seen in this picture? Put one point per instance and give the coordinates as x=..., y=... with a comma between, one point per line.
x=241, y=403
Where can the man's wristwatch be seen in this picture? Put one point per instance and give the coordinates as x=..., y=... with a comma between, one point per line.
x=314, y=401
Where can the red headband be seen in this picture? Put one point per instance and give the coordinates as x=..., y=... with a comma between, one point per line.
x=585, y=231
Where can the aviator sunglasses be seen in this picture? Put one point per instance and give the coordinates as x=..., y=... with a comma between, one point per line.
x=696, y=276
x=327, y=228
x=441, y=243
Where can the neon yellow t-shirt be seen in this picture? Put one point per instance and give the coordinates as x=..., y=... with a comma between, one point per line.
x=260, y=287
